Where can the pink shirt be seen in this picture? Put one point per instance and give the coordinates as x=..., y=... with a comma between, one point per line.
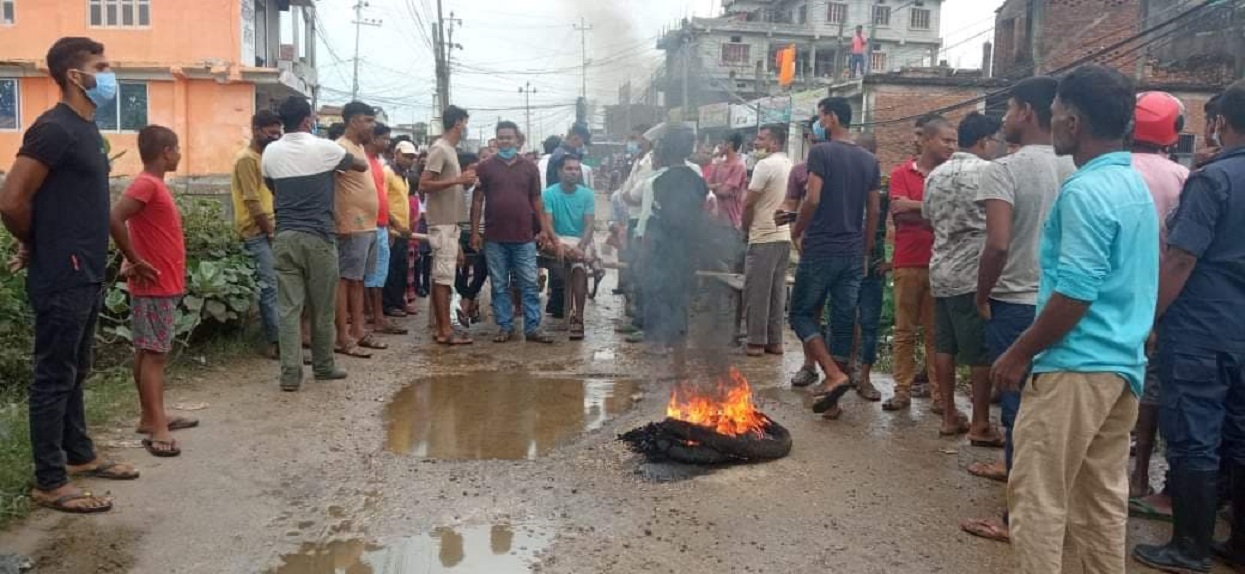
x=1165, y=178
x=858, y=44
x=733, y=175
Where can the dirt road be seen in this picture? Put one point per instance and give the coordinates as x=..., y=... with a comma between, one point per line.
x=381, y=474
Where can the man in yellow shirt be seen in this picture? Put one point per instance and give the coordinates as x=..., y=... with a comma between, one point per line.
x=398, y=190
x=253, y=219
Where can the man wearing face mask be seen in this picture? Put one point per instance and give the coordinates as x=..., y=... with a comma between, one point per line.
x=62, y=169
x=253, y=219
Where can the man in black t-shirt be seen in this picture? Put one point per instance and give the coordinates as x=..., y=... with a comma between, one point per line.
x=62, y=169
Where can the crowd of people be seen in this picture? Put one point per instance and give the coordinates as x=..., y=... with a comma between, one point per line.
x=1087, y=281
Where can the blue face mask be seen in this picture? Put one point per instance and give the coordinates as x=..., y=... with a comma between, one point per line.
x=819, y=132
x=105, y=89
x=632, y=148
x=508, y=153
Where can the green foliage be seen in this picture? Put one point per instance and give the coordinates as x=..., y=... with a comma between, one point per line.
x=16, y=320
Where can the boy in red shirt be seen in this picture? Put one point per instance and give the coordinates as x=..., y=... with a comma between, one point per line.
x=147, y=228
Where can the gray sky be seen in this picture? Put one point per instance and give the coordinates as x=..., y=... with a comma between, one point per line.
x=507, y=44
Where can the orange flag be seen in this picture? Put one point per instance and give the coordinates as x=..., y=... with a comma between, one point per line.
x=786, y=66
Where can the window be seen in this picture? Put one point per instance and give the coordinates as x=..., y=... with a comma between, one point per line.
x=877, y=62
x=802, y=15
x=882, y=15
x=6, y=12
x=919, y=19
x=120, y=13
x=126, y=113
x=9, y=112
x=735, y=53
x=837, y=13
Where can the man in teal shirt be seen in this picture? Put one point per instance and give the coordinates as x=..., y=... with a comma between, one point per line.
x=1096, y=300
x=572, y=208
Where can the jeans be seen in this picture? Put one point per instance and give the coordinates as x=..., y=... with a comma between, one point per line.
x=1202, y=405
x=1007, y=322
x=394, y=295
x=64, y=333
x=869, y=315
x=260, y=249
x=815, y=279
x=858, y=65
x=765, y=291
x=471, y=276
x=306, y=277
x=519, y=259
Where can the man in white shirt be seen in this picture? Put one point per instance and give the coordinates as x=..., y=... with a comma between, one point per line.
x=769, y=245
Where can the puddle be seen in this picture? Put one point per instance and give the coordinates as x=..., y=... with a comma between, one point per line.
x=506, y=415
x=495, y=549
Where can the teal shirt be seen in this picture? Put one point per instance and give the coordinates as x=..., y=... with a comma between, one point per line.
x=1100, y=245
x=568, y=209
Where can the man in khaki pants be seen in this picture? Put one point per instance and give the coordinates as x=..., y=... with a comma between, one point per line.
x=1096, y=300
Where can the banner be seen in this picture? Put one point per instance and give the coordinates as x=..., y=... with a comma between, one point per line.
x=775, y=110
x=804, y=104
x=743, y=116
x=715, y=115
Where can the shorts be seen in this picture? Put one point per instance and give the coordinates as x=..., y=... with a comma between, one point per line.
x=379, y=272
x=960, y=330
x=356, y=255
x=1151, y=393
x=153, y=322
x=443, y=239
x=589, y=261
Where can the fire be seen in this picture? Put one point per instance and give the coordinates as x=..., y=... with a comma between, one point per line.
x=729, y=410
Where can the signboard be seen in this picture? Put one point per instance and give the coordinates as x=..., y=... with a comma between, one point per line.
x=715, y=115
x=775, y=110
x=804, y=104
x=743, y=116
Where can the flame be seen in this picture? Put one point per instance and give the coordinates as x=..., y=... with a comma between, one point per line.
x=729, y=410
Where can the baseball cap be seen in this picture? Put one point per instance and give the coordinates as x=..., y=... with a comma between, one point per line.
x=406, y=148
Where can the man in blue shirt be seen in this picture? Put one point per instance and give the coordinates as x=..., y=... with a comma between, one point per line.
x=1202, y=350
x=1096, y=298
x=572, y=207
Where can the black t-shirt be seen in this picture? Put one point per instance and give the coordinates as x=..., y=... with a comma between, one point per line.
x=848, y=173
x=69, y=231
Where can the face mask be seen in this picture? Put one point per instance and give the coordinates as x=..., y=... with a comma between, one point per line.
x=507, y=153
x=761, y=153
x=632, y=148
x=105, y=89
x=819, y=132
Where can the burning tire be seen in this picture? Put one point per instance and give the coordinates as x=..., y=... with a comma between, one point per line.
x=674, y=440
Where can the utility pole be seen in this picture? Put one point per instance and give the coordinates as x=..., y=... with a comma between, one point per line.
x=527, y=92
x=359, y=22
x=685, y=38
x=450, y=46
x=583, y=28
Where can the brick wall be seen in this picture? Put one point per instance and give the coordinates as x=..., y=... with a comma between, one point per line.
x=1073, y=29
x=889, y=102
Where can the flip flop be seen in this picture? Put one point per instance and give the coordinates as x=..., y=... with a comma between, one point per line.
x=998, y=441
x=175, y=423
x=352, y=351
x=391, y=330
x=986, y=528
x=107, y=470
x=367, y=342
x=1139, y=508
x=168, y=448
x=454, y=341
x=984, y=470
x=830, y=399
x=462, y=317
x=61, y=503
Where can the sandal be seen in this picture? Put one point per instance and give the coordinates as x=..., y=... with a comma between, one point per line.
x=987, y=528
x=577, y=331
x=868, y=392
x=1140, y=508
x=829, y=399
x=898, y=402
x=463, y=318
x=988, y=470
x=961, y=427
x=755, y=351
x=539, y=337
x=995, y=441
x=175, y=423
x=504, y=336
x=161, y=448
x=61, y=503
x=107, y=470
x=367, y=342
x=352, y=351
x=454, y=340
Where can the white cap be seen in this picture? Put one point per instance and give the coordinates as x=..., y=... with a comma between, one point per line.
x=405, y=148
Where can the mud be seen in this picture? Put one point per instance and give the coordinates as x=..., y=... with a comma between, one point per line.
x=271, y=479
x=500, y=415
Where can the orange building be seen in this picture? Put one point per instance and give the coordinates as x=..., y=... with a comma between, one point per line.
x=200, y=67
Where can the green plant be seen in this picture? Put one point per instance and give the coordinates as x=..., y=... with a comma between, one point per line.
x=16, y=319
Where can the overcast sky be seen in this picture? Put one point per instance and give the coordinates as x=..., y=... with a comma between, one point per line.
x=507, y=44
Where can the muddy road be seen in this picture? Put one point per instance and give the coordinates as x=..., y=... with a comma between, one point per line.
x=501, y=459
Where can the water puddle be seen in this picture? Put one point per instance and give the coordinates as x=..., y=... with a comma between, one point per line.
x=493, y=549
x=499, y=415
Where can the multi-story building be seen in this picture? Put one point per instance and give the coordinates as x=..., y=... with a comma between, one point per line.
x=735, y=52
x=199, y=67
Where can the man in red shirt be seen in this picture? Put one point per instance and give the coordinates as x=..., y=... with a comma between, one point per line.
x=146, y=226
x=374, y=281
x=914, y=240
x=859, y=43
x=729, y=181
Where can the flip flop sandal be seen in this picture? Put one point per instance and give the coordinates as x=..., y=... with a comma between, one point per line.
x=352, y=351
x=998, y=441
x=463, y=319
x=504, y=337
x=897, y=403
x=961, y=427
x=61, y=504
x=175, y=423
x=1139, y=508
x=539, y=338
x=161, y=448
x=367, y=342
x=869, y=393
x=979, y=469
x=985, y=528
x=454, y=340
x=107, y=470
x=391, y=330
x=829, y=399
x=577, y=332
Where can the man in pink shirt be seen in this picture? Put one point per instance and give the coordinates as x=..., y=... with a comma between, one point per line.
x=1158, y=117
x=858, y=52
x=729, y=181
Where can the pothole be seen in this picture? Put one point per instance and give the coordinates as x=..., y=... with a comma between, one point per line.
x=500, y=415
x=495, y=549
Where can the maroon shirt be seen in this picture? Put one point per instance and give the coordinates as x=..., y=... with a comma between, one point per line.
x=797, y=181
x=509, y=193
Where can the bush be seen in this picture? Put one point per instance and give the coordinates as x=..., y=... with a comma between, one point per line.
x=16, y=321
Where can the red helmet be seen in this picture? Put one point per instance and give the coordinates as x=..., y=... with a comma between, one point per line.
x=1158, y=119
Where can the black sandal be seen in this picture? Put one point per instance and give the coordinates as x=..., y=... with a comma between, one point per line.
x=161, y=448
x=829, y=399
x=105, y=470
